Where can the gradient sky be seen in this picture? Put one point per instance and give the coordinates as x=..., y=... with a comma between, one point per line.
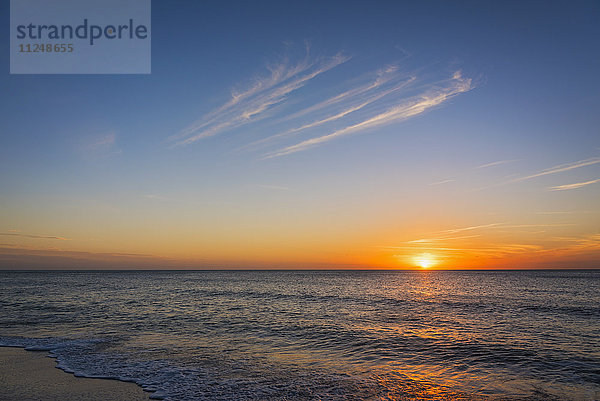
x=315, y=135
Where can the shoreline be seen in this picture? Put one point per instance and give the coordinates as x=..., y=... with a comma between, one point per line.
x=32, y=375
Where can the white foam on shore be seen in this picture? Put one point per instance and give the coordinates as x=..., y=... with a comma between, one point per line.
x=62, y=349
x=167, y=381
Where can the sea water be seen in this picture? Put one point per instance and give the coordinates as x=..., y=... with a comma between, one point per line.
x=317, y=335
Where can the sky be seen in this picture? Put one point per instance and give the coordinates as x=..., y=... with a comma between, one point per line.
x=308, y=135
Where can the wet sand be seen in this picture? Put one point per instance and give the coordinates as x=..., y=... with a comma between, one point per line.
x=29, y=376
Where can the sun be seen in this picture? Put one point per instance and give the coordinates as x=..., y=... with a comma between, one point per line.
x=424, y=260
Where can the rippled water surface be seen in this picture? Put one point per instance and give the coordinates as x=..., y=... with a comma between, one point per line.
x=266, y=335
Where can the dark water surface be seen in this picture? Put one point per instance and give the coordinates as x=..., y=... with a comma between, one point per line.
x=326, y=335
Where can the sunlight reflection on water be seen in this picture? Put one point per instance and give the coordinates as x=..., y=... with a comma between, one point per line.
x=319, y=335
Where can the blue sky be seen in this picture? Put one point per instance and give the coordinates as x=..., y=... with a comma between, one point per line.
x=317, y=134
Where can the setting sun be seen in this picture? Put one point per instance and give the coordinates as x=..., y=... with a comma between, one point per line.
x=424, y=260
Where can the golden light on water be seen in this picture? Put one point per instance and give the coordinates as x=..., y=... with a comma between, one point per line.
x=424, y=260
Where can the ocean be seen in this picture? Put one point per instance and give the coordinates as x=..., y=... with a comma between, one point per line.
x=317, y=335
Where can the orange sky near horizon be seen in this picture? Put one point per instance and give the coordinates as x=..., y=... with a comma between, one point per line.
x=498, y=245
x=401, y=136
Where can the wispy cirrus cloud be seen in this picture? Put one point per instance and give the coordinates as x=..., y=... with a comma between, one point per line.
x=561, y=168
x=494, y=250
x=410, y=107
x=251, y=104
x=470, y=228
x=573, y=186
x=279, y=107
x=103, y=142
x=450, y=234
x=358, y=100
x=437, y=239
x=441, y=182
x=497, y=163
x=383, y=76
x=549, y=171
x=99, y=146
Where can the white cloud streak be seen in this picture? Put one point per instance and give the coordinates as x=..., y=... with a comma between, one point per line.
x=250, y=105
x=459, y=230
x=573, y=186
x=561, y=168
x=372, y=100
x=103, y=142
x=497, y=163
x=383, y=77
x=441, y=182
x=356, y=107
x=409, y=108
x=99, y=146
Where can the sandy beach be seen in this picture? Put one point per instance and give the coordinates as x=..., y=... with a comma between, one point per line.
x=32, y=376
